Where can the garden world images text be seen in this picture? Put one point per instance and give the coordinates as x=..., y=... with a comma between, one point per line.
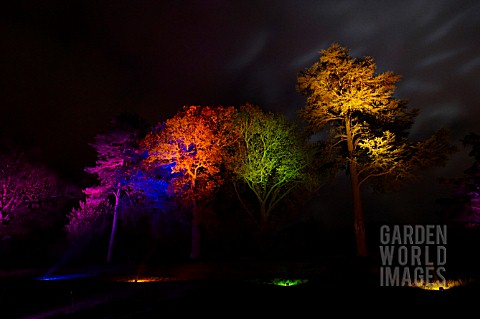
x=412, y=253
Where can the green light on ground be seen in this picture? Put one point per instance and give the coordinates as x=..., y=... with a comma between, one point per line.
x=288, y=282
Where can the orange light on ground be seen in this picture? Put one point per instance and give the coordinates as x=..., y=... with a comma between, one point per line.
x=145, y=279
x=440, y=285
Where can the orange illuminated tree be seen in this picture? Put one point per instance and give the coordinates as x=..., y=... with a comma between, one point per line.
x=356, y=108
x=192, y=144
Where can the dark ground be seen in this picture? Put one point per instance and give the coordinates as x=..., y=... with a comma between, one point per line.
x=335, y=286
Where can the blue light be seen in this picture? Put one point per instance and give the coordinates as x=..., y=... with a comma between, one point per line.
x=63, y=277
x=153, y=188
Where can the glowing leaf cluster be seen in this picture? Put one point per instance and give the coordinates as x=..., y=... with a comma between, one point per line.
x=338, y=86
x=383, y=154
x=357, y=106
x=192, y=144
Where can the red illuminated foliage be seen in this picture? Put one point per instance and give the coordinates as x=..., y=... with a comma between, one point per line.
x=192, y=145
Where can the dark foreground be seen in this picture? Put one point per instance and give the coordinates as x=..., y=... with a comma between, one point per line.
x=223, y=289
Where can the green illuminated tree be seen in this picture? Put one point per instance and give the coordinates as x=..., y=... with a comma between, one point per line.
x=356, y=107
x=271, y=158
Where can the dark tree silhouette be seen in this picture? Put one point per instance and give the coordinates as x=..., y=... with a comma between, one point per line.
x=463, y=204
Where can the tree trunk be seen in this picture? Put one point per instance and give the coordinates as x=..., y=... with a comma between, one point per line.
x=114, y=225
x=358, y=222
x=262, y=234
x=263, y=215
x=196, y=234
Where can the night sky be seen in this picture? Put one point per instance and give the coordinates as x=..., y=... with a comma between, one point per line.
x=69, y=67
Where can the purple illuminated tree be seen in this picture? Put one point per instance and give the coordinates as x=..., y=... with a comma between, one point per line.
x=114, y=168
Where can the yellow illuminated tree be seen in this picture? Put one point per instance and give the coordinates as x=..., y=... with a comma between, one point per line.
x=356, y=107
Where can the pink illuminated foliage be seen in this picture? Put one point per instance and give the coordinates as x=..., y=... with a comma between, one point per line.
x=114, y=168
x=89, y=213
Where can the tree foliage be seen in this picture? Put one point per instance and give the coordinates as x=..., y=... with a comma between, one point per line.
x=271, y=158
x=192, y=145
x=85, y=219
x=115, y=167
x=24, y=186
x=356, y=106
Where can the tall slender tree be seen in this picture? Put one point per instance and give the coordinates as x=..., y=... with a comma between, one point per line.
x=193, y=145
x=346, y=98
x=114, y=168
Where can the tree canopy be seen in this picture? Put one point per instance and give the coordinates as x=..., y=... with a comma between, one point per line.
x=271, y=157
x=115, y=169
x=358, y=110
x=192, y=145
